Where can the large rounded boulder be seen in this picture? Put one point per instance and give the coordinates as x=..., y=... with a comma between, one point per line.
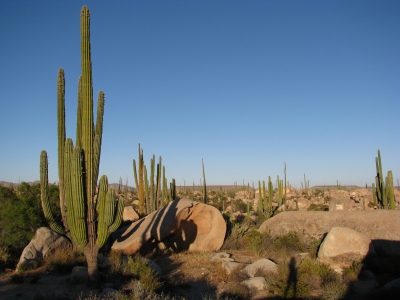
x=180, y=225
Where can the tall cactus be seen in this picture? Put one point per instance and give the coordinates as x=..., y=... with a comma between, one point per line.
x=87, y=223
x=390, y=190
x=204, y=184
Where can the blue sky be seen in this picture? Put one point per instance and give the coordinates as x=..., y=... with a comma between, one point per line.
x=245, y=85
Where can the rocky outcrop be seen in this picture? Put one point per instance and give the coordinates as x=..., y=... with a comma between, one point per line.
x=180, y=225
x=44, y=243
x=342, y=246
x=381, y=226
x=129, y=214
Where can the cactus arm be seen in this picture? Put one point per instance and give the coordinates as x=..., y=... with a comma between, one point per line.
x=45, y=198
x=109, y=207
x=102, y=232
x=98, y=135
x=118, y=216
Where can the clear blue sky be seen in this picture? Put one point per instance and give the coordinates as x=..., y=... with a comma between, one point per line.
x=245, y=85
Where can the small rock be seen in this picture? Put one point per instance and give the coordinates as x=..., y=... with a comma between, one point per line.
x=263, y=265
x=79, y=275
x=108, y=292
x=394, y=284
x=221, y=256
x=258, y=283
x=230, y=266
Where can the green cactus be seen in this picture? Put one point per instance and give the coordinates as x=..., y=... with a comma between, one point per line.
x=379, y=181
x=260, y=202
x=374, y=194
x=139, y=180
x=204, y=184
x=270, y=194
x=87, y=223
x=390, y=190
x=264, y=197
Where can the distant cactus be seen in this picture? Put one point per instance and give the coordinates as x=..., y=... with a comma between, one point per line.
x=384, y=190
x=204, y=184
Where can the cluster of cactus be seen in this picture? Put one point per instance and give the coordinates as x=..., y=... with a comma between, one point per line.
x=264, y=203
x=88, y=216
x=279, y=193
x=153, y=193
x=383, y=189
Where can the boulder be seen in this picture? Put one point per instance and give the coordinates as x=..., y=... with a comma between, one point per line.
x=180, y=225
x=79, y=275
x=256, y=283
x=381, y=226
x=231, y=266
x=129, y=214
x=263, y=265
x=44, y=243
x=303, y=204
x=342, y=246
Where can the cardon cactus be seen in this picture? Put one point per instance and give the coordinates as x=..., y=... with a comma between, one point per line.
x=87, y=222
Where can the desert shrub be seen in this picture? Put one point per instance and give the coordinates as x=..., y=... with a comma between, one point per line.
x=135, y=268
x=352, y=272
x=234, y=233
x=318, y=207
x=313, y=247
x=288, y=243
x=20, y=216
x=63, y=261
x=256, y=241
x=334, y=290
x=234, y=290
x=239, y=205
x=307, y=280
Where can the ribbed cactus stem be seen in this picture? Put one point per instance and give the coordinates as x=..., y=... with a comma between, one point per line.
x=158, y=185
x=264, y=197
x=78, y=141
x=45, y=197
x=204, y=184
x=146, y=191
x=260, y=203
x=374, y=194
x=270, y=193
x=390, y=192
x=61, y=142
x=152, y=185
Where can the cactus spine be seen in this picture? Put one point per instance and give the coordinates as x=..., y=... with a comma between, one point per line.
x=88, y=226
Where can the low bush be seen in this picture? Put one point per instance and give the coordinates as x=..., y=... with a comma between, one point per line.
x=135, y=268
x=63, y=261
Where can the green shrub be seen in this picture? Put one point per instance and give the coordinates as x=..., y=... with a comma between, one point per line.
x=257, y=242
x=318, y=207
x=288, y=243
x=134, y=268
x=235, y=232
